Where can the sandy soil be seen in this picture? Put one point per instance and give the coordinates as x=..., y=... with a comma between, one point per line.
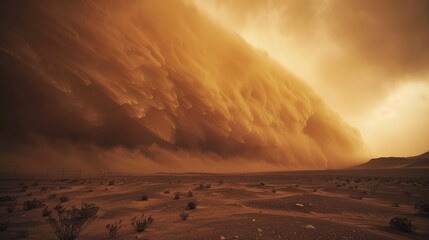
x=342, y=204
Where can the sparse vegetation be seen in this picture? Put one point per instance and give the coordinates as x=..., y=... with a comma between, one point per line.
x=3, y=226
x=142, y=223
x=176, y=196
x=192, y=205
x=10, y=209
x=274, y=190
x=43, y=189
x=21, y=235
x=72, y=222
x=7, y=199
x=114, y=229
x=403, y=224
x=145, y=197
x=23, y=189
x=111, y=183
x=423, y=208
x=34, y=203
x=46, y=212
x=64, y=199
x=262, y=184
x=51, y=196
x=184, y=215
x=190, y=194
x=167, y=192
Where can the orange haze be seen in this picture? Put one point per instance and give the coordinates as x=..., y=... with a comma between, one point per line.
x=154, y=86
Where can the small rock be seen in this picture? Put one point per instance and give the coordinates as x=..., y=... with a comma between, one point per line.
x=259, y=230
x=310, y=226
x=253, y=220
x=236, y=237
x=222, y=238
x=299, y=205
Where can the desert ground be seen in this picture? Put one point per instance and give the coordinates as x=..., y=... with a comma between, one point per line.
x=334, y=204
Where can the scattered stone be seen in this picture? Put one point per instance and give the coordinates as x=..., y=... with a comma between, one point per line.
x=309, y=226
x=299, y=205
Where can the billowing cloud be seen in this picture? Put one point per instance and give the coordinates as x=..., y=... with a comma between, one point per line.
x=158, y=82
x=355, y=54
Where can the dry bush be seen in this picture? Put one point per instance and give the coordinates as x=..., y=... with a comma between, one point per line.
x=34, y=203
x=192, y=205
x=7, y=199
x=114, y=229
x=403, y=224
x=176, y=196
x=10, y=209
x=70, y=223
x=3, y=225
x=423, y=208
x=142, y=223
x=64, y=199
x=53, y=195
x=21, y=235
x=43, y=189
x=190, y=194
x=145, y=197
x=46, y=212
x=183, y=215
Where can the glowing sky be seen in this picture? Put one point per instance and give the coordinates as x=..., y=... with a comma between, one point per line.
x=168, y=86
x=368, y=59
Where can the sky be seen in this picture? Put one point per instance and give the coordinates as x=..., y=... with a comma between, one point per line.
x=220, y=87
x=369, y=60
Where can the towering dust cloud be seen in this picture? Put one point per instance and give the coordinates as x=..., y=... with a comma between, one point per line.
x=153, y=86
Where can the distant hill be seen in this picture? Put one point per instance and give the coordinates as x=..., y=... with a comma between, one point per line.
x=420, y=161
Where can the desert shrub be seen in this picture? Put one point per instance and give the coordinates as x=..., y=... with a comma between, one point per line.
x=23, y=189
x=145, y=197
x=35, y=184
x=29, y=194
x=190, y=194
x=202, y=186
x=64, y=199
x=142, y=223
x=403, y=224
x=34, y=203
x=167, y=192
x=43, y=189
x=7, y=199
x=221, y=182
x=183, y=215
x=192, y=205
x=358, y=196
x=70, y=223
x=262, y=184
x=111, y=183
x=423, y=207
x=21, y=234
x=274, y=190
x=3, y=225
x=46, y=212
x=10, y=209
x=176, y=196
x=53, y=195
x=114, y=229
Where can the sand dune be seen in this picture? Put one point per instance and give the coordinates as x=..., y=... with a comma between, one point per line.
x=420, y=161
